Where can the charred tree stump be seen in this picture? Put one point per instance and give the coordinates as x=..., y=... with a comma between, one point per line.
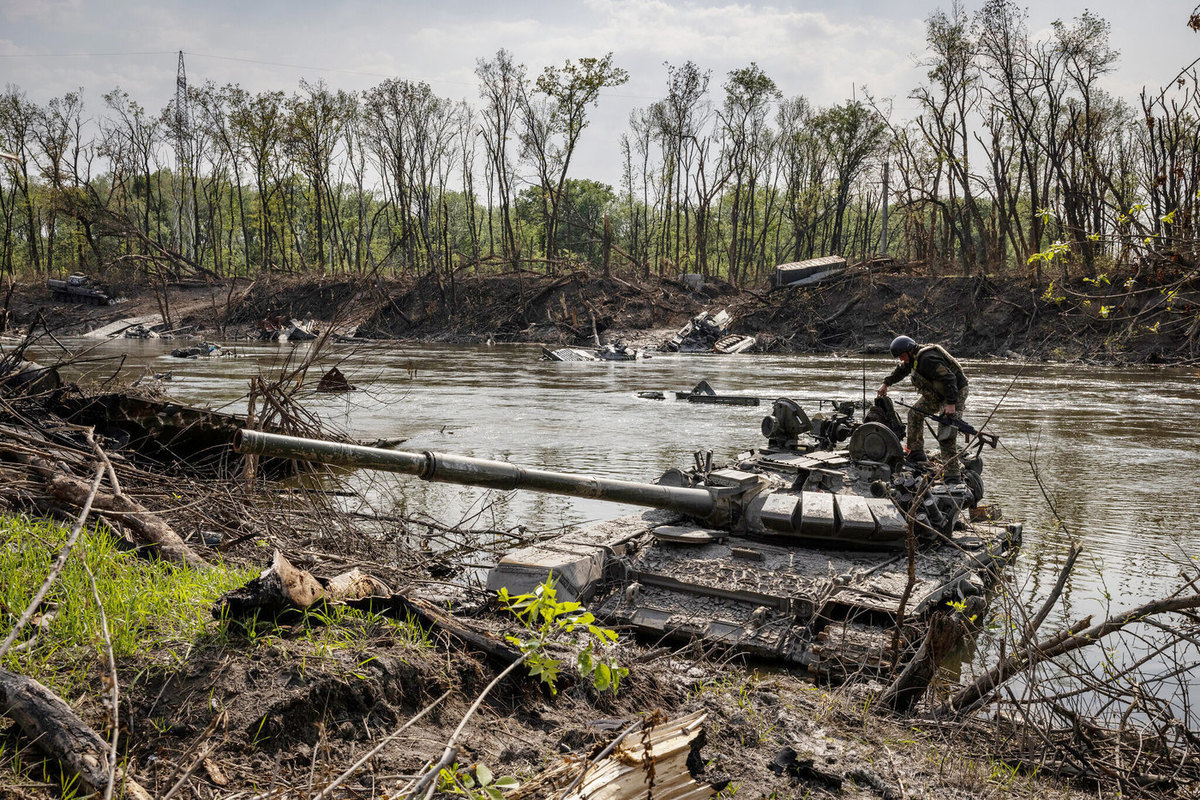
x=280, y=588
x=284, y=589
x=49, y=722
x=946, y=630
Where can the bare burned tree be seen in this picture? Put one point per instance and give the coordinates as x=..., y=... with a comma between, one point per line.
x=502, y=85
x=749, y=146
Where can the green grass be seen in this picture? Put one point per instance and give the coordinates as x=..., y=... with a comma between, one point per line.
x=151, y=606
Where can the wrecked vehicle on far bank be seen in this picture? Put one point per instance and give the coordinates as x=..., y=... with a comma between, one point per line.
x=79, y=288
x=709, y=333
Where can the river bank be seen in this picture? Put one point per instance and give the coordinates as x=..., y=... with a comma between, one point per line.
x=859, y=312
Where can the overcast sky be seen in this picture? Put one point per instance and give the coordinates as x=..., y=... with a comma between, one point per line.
x=823, y=49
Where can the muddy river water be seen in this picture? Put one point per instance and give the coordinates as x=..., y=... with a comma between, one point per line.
x=1117, y=449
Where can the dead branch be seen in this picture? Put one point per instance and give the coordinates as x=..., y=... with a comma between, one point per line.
x=324, y=793
x=114, y=698
x=59, y=563
x=1079, y=635
x=946, y=630
x=451, y=750
x=210, y=744
x=148, y=528
x=1044, y=611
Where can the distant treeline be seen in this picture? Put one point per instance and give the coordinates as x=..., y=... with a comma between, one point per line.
x=1016, y=164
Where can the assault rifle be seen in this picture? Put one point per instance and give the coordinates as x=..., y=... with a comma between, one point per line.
x=990, y=439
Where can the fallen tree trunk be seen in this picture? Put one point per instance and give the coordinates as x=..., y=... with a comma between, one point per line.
x=51, y=724
x=424, y=612
x=147, y=528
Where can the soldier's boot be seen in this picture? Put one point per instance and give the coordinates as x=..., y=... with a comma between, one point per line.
x=952, y=471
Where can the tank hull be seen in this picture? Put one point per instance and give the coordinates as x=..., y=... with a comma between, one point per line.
x=821, y=580
x=831, y=612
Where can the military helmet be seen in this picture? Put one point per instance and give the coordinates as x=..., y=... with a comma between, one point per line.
x=902, y=344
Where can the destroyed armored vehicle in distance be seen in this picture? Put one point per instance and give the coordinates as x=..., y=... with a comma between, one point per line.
x=709, y=333
x=78, y=289
x=797, y=552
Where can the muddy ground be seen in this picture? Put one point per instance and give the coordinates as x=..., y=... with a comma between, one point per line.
x=292, y=707
x=859, y=312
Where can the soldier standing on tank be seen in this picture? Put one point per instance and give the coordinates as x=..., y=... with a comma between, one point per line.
x=942, y=384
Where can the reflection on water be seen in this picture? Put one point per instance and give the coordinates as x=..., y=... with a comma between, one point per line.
x=1117, y=449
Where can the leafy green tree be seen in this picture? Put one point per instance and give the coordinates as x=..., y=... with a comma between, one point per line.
x=553, y=127
x=314, y=123
x=853, y=134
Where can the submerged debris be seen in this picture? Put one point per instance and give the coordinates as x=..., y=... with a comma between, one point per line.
x=608, y=352
x=335, y=381
x=21, y=377
x=203, y=350
x=287, y=329
x=703, y=393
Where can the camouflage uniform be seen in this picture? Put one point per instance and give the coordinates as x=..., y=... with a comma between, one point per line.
x=939, y=379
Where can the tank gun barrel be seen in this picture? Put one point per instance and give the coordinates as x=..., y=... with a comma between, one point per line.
x=431, y=466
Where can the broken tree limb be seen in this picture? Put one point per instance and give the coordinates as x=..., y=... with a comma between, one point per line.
x=1052, y=598
x=147, y=528
x=51, y=724
x=424, y=612
x=1077, y=636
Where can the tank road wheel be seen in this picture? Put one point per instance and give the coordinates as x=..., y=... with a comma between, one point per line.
x=974, y=482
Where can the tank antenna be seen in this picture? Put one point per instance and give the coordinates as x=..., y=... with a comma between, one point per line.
x=862, y=357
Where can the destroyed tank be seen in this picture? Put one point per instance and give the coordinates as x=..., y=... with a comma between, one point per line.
x=796, y=552
x=78, y=289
